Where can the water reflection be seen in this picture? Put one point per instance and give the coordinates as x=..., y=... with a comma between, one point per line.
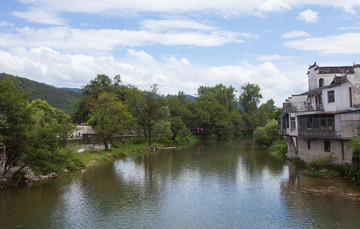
x=222, y=185
x=321, y=203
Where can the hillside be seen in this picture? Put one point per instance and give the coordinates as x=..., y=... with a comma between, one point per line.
x=63, y=99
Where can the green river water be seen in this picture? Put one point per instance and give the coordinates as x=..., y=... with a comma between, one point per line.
x=210, y=185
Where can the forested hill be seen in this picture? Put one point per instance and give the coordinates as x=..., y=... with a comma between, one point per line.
x=63, y=99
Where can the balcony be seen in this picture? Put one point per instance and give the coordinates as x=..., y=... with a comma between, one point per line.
x=317, y=133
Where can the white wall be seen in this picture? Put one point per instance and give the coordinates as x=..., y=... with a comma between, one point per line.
x=342, y=97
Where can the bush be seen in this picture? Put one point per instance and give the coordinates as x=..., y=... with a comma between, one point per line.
x=265, y=136
x=350, y=171
x=279, y=148
x=299, y=163
x=322, y=163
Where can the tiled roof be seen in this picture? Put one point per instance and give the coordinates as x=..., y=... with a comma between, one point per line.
x=336, y=69
x=337, y=81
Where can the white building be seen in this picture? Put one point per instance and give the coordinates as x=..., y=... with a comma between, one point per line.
x=322, y=120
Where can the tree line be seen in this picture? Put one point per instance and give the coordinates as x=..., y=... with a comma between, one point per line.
x=113, y=108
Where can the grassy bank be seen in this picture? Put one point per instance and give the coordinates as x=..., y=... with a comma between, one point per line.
x=69, y=159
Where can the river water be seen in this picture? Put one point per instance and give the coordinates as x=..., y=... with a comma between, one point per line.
x=210, y=185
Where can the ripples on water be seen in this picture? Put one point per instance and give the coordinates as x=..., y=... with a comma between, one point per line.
x=224, y=185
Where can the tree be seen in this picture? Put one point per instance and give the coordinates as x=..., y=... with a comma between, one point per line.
x=101, y=83
x=250, y=97
x=109, y=117
x=15, y=121
x=268, y=111
x=214, y=118
x=32, y=133
x=265, y=136
x=225, y=96
x=178, y=127
x=148, y=108
x=49, y=133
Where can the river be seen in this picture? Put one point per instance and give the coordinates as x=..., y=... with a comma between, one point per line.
x=210, y=185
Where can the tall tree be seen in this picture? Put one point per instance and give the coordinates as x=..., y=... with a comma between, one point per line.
x=225, y=96
x=250, y=97
x=148, y=107
x=15, y=120
x=32, y=133
x=109, y=116
x=268, y=111
x=214, y=118
x=101, y=83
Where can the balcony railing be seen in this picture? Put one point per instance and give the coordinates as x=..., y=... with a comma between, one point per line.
x=317, y=133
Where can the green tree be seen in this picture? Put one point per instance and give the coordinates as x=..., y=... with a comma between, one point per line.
x=265, y=136
x=109, y=117
x=250, y=97
x=101, y=83
x=178, y=127
x=49, y=133
x=15, y=121
x=268, y=111
x=214, y=118
x=225, y=96
x=32, y=133
x=148, y=108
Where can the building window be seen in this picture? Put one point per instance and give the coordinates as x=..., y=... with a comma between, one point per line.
x=292, y=123
x=321, y=82
x=331, y=96
x=317, y=122
x=350, y=97
x=308, y=141
x=327, y=146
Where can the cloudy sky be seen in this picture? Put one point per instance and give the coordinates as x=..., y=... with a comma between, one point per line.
x=178, y=44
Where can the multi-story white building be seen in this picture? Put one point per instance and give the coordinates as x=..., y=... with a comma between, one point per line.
x=322, y=120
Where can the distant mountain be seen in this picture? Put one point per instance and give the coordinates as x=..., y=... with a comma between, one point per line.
x=72, y=89
x=61, y=98
x=190, y=97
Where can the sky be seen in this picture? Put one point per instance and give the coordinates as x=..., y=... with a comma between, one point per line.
x=179, y=44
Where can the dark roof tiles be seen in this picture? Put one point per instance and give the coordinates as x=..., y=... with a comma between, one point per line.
x=337, y=69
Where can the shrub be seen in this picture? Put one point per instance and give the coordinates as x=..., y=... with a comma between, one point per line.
x=322, y=163
x=279, y=148
x=265, y=136
x=350, y=171
x=299, y=163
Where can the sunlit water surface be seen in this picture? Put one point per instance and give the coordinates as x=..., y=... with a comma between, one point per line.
x=210, y=185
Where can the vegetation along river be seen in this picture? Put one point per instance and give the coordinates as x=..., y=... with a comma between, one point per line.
x=210, y=185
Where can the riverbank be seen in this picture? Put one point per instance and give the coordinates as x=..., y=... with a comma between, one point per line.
x=79, y=157
x=76, y=161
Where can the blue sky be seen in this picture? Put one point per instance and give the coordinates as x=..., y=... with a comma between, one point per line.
x=179, y=45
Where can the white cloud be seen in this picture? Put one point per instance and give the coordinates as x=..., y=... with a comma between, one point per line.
x=5, y=23
x=172, y=74
x=42, y=16
x=275, y=57
x=295, y=34
x=105, y=40
x=274, y=6
x=308, y=16
x=164, y=25
x=225, y=8
x=347, y=43
x=355, y=27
